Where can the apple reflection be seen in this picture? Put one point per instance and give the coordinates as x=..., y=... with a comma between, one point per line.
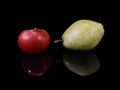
x=83, y=64
x=36, y=65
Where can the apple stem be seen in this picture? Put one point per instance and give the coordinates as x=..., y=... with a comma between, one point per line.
x=35, y=27
x=57, y=41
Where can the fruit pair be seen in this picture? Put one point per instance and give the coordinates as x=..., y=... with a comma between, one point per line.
x=81, y=35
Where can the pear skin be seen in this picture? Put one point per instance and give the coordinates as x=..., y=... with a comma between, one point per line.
x=83, y=35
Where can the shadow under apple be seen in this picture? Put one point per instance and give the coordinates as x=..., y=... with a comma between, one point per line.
x=81, y=63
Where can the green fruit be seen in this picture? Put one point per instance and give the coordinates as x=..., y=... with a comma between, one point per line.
x=83, y=64
x=83, y=35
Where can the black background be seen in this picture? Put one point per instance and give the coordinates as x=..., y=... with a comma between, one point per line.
x=55, y=18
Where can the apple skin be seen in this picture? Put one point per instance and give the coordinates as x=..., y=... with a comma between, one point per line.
x=34, y=41
x=36, y=65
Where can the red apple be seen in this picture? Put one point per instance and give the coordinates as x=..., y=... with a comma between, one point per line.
x=34, y=41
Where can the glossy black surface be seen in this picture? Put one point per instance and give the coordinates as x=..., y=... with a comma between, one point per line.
x=27, y=68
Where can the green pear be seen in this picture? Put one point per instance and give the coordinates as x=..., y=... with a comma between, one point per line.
x=83, y=64
x=83, y=35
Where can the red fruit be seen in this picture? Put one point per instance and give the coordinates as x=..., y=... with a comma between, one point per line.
x=34, y=41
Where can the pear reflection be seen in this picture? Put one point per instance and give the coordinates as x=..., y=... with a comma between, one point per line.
x=83, y=64
x=36, y=65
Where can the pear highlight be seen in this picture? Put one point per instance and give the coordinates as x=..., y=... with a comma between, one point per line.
x=83, y=35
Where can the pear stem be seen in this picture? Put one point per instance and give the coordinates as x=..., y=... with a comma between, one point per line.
x=57, y=41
